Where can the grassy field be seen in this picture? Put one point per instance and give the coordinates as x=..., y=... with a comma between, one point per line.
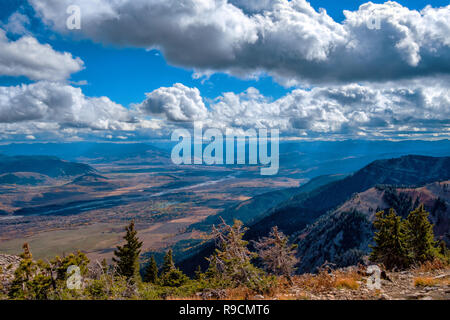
x=44, y=245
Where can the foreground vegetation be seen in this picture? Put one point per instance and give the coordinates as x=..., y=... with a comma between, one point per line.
x=234, y=270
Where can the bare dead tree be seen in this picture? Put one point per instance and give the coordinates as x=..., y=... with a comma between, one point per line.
x=232, y=258
x=277, y=255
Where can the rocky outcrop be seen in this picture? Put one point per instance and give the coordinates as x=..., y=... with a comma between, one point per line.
x=8, y=264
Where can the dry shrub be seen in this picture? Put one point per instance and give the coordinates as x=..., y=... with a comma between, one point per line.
x=347, y=279
x=430, y=281
x=323, y=281
x=347, y=283
x=240, y=293
x=425, y=282
x=195, y=297
x=282, y=287
x=429, y=266
x=326, y=280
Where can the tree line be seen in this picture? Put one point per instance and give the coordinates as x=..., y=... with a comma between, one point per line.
x=401, y=243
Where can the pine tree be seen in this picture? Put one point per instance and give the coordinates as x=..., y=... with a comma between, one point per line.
x=171, y=276
x=151, y=271
x=127, y=256
x=31, y=281
x=23, y=274
x=277, y=255
x=390, y=243
x=168, y=262
x=199, y=275
x=420, y=236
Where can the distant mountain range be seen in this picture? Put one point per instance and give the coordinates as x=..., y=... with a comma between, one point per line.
x=92, y=152
x=310, y=158
x=295, y=215
x=13, y=168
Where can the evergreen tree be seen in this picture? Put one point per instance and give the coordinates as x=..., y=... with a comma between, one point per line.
x=420, y=236
x=168, y=262
x=23, y=274
x=199, y=275
x=390, y=243
x=151, y=271
x=127, y=256
x=170, y=275
x=59, y=265
x=31, y=281
x=173, y=278
x=277, y=255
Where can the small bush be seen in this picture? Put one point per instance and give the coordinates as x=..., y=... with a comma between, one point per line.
x=429, y=266
x=323, y=281
x=347, y=283
x=97, y=289
x=425, y=282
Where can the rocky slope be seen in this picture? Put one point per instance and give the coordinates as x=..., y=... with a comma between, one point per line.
x=343, y=236
x=8, y=265
x=303, y=209
x=352, y=284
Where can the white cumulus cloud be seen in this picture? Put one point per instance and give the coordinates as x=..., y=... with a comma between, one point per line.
x=27, y=57
x=289, y=40
x=176, y=103
x=57, y=106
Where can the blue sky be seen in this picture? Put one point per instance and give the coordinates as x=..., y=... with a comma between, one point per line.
x=124, y=71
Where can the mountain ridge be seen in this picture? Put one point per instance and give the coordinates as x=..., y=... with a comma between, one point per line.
x=304, y=209
x=50, y=166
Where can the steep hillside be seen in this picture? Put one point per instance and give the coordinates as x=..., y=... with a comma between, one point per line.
x=255, y=208
x=303, y=209
x=342, y=236
x=49, y=166
x=246, y=211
